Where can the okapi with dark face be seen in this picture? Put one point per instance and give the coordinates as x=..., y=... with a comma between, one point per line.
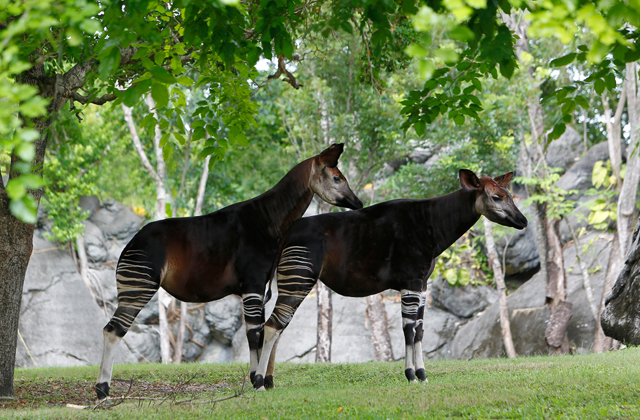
x=392, y=245
x=230, y=251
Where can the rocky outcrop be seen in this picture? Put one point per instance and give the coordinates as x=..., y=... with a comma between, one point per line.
x=621, y=316
x=463, y=302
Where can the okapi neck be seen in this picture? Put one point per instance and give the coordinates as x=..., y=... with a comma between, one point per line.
x=288, y=199
x=451, y=216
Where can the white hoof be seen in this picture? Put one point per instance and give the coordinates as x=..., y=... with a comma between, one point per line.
x=261, y=389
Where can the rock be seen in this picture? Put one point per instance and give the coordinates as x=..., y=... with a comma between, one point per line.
x=89, y=203
x=144, y=342
x=481, y=337
x=117, y=220
x=216, y=352
x=463, y=302
x=565, y=151
x=522, y=260
x=439, y=328
x=621, y=316
x=579, y=176
x=224, y=317
x=95, y=243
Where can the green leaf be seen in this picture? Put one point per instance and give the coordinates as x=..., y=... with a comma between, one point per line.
x=563, y=61
x=419, y=126
x=557, y=131
x=109, y=63
x=160, y=94
x=599, y=86
x=25, y=209
x=162, y=75
x=185, y=81
x=459, y=119
x=164, y=140
x=26, y=151
x=582, y=101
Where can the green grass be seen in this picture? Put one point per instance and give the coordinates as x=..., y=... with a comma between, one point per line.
x=599, y=386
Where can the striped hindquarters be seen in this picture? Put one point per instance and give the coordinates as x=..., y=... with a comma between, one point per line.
x=137, y=281
x=296, y=277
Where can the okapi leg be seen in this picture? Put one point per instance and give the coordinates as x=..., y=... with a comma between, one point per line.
x=418, y=359
x=410, y=302
x=252, y=305
x=268, y=378
x=137, y=282
x=296, y=278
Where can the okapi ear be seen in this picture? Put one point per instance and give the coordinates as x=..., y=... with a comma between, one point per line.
x=469, y=180
x=504, y=180
x=329, y=157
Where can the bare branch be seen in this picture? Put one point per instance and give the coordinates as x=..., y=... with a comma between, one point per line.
x=89, y=99
x=283, y=69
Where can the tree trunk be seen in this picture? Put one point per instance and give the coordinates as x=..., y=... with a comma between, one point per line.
x=601, y=342
x=16, y=245
x=325, y=316
x=380, y=339
x=158, y=176
x=498, y=277
x=556, y=331
x=627, y=200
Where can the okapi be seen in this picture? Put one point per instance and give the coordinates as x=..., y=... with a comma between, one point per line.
x=391, y=245
x=230, y=251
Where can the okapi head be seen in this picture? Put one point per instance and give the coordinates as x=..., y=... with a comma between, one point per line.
x=328, y=182
x=493, y=201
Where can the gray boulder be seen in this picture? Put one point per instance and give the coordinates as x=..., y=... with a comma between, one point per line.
x=462, y=302
x=565, y=151
x=117, y=220
x=224, y=317
x=522, y=260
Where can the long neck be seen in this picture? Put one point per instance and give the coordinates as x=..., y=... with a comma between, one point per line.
x=288, y=199
x=449, y=217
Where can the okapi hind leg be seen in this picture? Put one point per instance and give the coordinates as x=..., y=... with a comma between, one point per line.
x=418, y=358
x=296, y=278
x=137, y=282
x=410, y=303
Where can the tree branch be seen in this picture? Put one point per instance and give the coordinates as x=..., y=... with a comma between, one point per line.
x=93, y=100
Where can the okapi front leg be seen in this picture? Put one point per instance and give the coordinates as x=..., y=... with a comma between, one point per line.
x=410, y=302
x=137, y=282
x=418, y=358
x=252, y=305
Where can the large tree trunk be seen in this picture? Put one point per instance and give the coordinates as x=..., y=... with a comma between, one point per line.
x=380, y=339
x=498, y=277
x=16, y=245
x=601, y=342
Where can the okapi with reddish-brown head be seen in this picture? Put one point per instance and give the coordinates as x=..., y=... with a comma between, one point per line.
x=392, y=245
x=230, y=251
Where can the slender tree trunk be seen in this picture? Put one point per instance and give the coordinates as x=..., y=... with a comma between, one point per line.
x=498, y=277
x=158, y=176
x=325, y=317
x=380, y=339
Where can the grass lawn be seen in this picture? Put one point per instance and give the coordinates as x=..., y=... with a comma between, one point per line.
x=598, y=386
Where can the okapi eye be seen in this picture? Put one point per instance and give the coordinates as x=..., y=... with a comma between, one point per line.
x=336, y=179
x=496, y=198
